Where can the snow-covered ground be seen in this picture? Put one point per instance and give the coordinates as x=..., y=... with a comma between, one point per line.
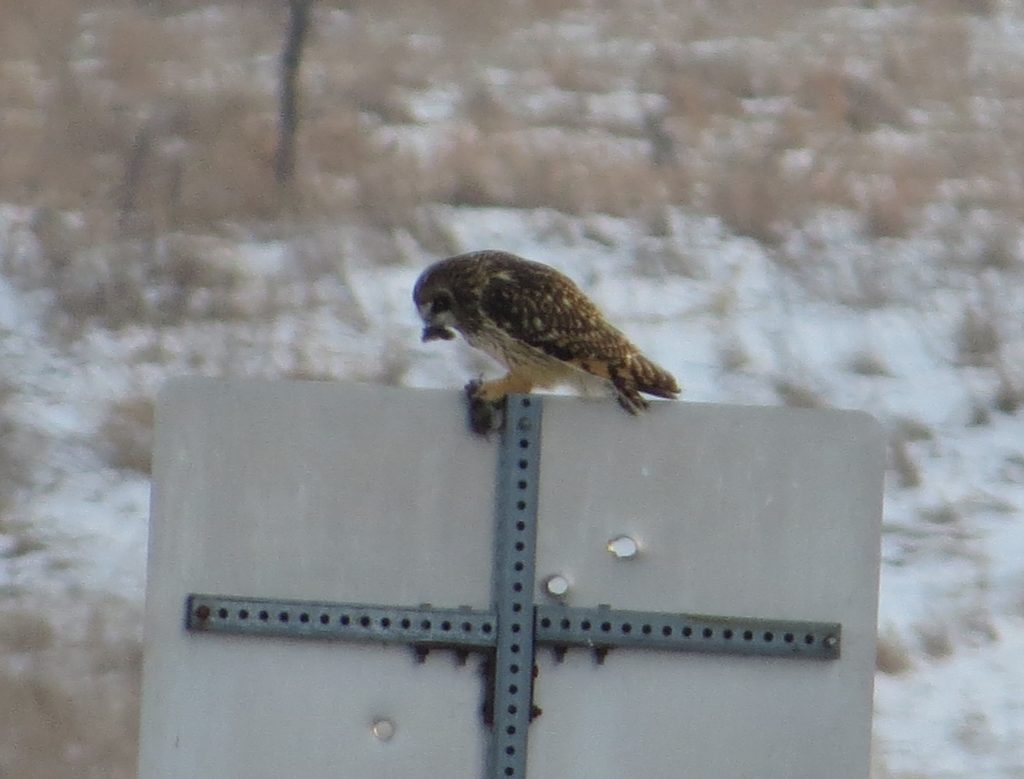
x=952, y=590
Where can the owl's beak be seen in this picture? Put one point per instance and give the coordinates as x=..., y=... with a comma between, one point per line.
x=437, y=332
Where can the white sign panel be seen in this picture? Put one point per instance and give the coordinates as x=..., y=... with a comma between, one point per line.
x=363, y=494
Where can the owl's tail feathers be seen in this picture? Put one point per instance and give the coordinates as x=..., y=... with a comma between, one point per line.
x=653, y=379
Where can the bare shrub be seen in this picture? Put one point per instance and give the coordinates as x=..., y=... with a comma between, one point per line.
x=980, y=415
x=159, y=280
x=1001, y=249
x=109, y=288
x=903, y=463
x=798, y=395
x=733, y=356
x=15, y=443
x=977, y=339
x=936, y=639
x=127, y=434
x=910, y=429
x=892, y=654
x=974, y=733
x=1010, y=394
x=56, y=238
x=866, y=363
x=978, y=626
x=942, y=514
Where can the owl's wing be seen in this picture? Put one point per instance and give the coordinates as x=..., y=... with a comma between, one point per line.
x=542, y=308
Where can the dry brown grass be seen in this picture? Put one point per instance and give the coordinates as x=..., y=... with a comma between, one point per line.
x=127, y=434
x=70, y=703
x=572, y=174
x=173, y=125
x=749, y=195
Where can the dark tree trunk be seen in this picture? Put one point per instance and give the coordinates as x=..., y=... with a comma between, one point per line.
x=291, y=57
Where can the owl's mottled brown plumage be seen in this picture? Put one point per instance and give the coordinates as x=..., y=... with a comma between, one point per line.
x=536, y=322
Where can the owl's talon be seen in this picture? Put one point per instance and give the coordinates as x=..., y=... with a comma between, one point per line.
x=482, y=417
x=632, y=402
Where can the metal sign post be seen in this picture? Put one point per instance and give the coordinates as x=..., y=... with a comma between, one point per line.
x=514, y=625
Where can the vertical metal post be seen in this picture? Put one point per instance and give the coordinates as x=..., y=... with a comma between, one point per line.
x=514, y=562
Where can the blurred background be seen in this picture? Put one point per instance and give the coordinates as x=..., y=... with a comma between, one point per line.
x=791, y=202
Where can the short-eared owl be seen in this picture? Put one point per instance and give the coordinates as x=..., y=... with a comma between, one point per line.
x=536, y=322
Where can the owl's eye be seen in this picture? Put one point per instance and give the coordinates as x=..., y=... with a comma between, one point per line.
x=442, y=302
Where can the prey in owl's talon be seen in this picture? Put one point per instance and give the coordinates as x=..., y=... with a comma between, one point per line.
x=483, y=418
x=435, y=333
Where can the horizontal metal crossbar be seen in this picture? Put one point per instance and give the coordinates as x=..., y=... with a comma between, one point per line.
x=607, y=628
x=556, y=626
x=423, y=626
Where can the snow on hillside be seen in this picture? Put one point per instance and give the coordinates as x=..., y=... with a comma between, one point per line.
x=952, y=580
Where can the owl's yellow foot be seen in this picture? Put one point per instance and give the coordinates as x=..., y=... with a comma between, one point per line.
x=483, y=418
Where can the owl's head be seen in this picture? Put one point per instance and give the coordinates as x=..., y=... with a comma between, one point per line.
x=435, y=302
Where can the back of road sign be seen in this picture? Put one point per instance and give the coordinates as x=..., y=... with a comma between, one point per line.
x=355, y=493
